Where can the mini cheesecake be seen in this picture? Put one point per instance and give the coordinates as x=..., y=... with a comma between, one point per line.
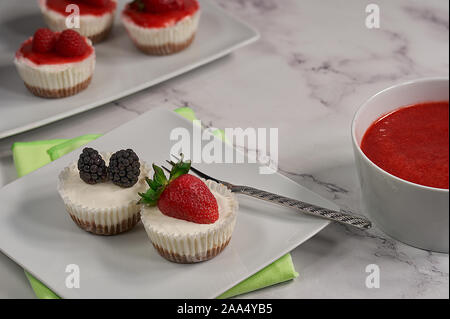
x=95, y=20
x=52, y=75
x=183, y=241
x=156, y=30
x=99, y=205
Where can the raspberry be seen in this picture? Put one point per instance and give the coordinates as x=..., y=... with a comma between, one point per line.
x=92, y=167
x=70, y=44
x=124, y=168
x=43, y=40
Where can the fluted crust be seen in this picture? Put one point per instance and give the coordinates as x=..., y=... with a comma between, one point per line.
x=59, y=93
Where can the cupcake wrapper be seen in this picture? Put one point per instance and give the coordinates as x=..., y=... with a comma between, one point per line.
x=93, y=27
x=59, y=93
x=165, y=49
x=99, y=37
x=101, y=221
x=107, y=222
x=190, y=259
x=196, y=247
x=163, y=41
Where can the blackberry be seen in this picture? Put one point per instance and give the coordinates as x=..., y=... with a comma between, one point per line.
x=124, y=168
x=92, y=167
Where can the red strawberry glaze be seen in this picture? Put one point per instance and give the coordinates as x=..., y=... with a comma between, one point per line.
x=85, y=8
x=161, y=20
x=412, y=143
x=50, y=57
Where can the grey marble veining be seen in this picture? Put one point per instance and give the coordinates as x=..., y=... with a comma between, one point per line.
x=315, y=64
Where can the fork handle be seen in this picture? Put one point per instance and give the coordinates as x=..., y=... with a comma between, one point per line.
x=309, y=209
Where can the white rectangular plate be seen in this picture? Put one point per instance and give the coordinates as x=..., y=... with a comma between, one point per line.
x=121, y=69
x=37, y=233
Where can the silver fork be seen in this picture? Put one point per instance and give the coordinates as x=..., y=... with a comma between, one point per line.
x=310, y=209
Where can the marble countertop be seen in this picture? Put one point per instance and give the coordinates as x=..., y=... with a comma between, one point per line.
x=315, y=63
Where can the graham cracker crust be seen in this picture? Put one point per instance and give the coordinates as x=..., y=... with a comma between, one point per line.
x=183, y=259
x=124, y=226
x=166, y=49
x=54, y=94
x=99, y=37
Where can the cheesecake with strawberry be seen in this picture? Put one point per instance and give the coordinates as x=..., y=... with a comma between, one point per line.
x=96, y=16
x=56, y=65
x=161, y=27
x=187, y=219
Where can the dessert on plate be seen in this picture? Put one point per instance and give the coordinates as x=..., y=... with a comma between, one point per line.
x=187, y=219
x=96, y=16
x=99, y=191
x=55, y=65
x=161, y=27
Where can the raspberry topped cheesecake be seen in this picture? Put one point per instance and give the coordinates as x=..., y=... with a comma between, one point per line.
x=96, y=16
x=55, y=65
x=99, y=190
x=187, y=219
x=161, y=27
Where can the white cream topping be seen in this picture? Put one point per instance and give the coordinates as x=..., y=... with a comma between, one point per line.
x=101, y=195
x=227, y=204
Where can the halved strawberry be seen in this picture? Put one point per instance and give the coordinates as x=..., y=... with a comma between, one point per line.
x=183, y=196
x=70, y=44
x=43, y=40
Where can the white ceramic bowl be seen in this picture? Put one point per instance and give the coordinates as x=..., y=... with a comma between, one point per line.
x=414, y=214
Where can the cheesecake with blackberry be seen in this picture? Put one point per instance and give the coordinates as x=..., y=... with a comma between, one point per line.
x=99, y=190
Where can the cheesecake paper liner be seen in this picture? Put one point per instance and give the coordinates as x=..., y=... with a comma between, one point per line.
x=59, y=93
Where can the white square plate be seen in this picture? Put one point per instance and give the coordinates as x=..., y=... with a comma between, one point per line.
x=120, y=70
x=37, y=232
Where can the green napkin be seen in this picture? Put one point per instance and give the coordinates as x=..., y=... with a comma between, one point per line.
x=29, y=156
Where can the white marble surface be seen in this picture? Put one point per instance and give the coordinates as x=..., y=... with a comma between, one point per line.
x=314, y=65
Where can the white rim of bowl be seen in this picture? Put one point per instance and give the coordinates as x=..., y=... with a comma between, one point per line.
x=358, y=147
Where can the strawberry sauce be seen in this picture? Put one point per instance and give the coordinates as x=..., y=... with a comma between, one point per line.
x=85, y=8
x=412, y=143
x=50, y=57
x=163, y=19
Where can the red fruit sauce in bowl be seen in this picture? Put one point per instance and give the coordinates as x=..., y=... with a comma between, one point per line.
x=401, y=150
x=412, y=143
